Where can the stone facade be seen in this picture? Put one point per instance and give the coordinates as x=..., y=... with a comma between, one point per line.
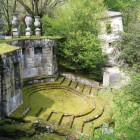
x=112, y=27
x=38, y=57
x=32, y=58
x=10, y=82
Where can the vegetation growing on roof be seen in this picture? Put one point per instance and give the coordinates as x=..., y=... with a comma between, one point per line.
x=5, y=48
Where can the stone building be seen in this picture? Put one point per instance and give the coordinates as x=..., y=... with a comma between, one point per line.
x=112, y=27
x=23, y=59
x=38, y=57
x=10, y=79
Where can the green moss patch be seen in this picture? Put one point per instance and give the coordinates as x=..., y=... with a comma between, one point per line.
x=15, y=129
x=65, y=104
x=31, y=38
x=5, y=48
x=46, y=136
x=58, y=100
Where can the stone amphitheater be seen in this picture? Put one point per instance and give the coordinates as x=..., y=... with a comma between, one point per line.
x=33, y=90
x=77, y=115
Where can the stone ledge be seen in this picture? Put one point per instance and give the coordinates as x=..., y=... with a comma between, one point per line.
x=80, y=79
x=40, y=79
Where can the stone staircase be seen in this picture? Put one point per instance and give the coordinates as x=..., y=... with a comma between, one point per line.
x=81, y=123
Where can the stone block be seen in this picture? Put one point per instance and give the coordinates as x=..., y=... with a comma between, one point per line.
x=31, y=52
x=112, y=75
x=46, y=50
x=13, y=103
x=40, y=71
x=43, y=61
x=32, y=72
x=48, y=70
x=37, y=62
x=29, y=62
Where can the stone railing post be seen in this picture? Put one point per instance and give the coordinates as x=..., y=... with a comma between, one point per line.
x=1, y=25
x=15, y=23
x=37, y=25
x=28, y=21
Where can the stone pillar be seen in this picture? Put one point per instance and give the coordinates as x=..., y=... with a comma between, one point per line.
x=15, y=23
x=112, y=75
x=37, y=25
x=1, y=26
x=28, y=21
x=106, y=79
x=11, y=96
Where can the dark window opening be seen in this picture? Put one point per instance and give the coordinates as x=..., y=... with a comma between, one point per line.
x=108, y=28
x=17, y=76
x=23, y=50
x=110, y=44
x=38, y=50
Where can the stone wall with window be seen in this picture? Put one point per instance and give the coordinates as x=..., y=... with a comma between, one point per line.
x=29, y=58
x=10, y=82
x=111, y=29
x=38, y=57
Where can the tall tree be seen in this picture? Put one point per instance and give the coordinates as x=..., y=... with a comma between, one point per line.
x=40, y=7
x=80, y=52
x=8, y=7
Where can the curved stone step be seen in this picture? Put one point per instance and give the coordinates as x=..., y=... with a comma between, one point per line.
x=60, y=79
x=80, y=121
x=80, y=87
x=88, y=128
x=105, y=118
x=55, y=86
x=66, y=82
x=55, y=118
x=87, y=90
x=73, y=84
x=67, y=120
x=40, y=84
x=31, y=90
x=94, y=91
x=91, y=126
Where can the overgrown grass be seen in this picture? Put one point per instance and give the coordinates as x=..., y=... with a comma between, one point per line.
x=58, y=100
x=46, y=136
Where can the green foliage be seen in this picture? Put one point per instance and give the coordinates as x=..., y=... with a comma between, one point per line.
x=128, y=104
x=15, y=129
x=80, y=51
x=121, y=5
x=129, y=9
x=130, y=50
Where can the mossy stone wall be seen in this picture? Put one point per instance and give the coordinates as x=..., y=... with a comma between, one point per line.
x=10, y=82
x=38, y=57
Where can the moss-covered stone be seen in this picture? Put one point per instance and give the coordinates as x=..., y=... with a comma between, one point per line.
x=38, y=77
x=31, y=38
x=45, y=99
x=5, y=48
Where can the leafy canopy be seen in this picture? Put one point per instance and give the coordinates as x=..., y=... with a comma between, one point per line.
x=78, y=22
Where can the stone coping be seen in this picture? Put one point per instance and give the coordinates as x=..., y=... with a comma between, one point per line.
x=40, y=79
x=80, y=79
x=6, y=48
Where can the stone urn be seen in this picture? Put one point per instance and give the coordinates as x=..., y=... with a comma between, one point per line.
x=15, y=24
x=1, y=25
x=37, y=25
x=28, y=21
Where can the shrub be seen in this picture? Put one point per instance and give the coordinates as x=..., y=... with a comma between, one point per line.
x=80, y=50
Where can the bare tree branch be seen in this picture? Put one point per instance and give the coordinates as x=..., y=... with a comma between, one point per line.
x=36, y=6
